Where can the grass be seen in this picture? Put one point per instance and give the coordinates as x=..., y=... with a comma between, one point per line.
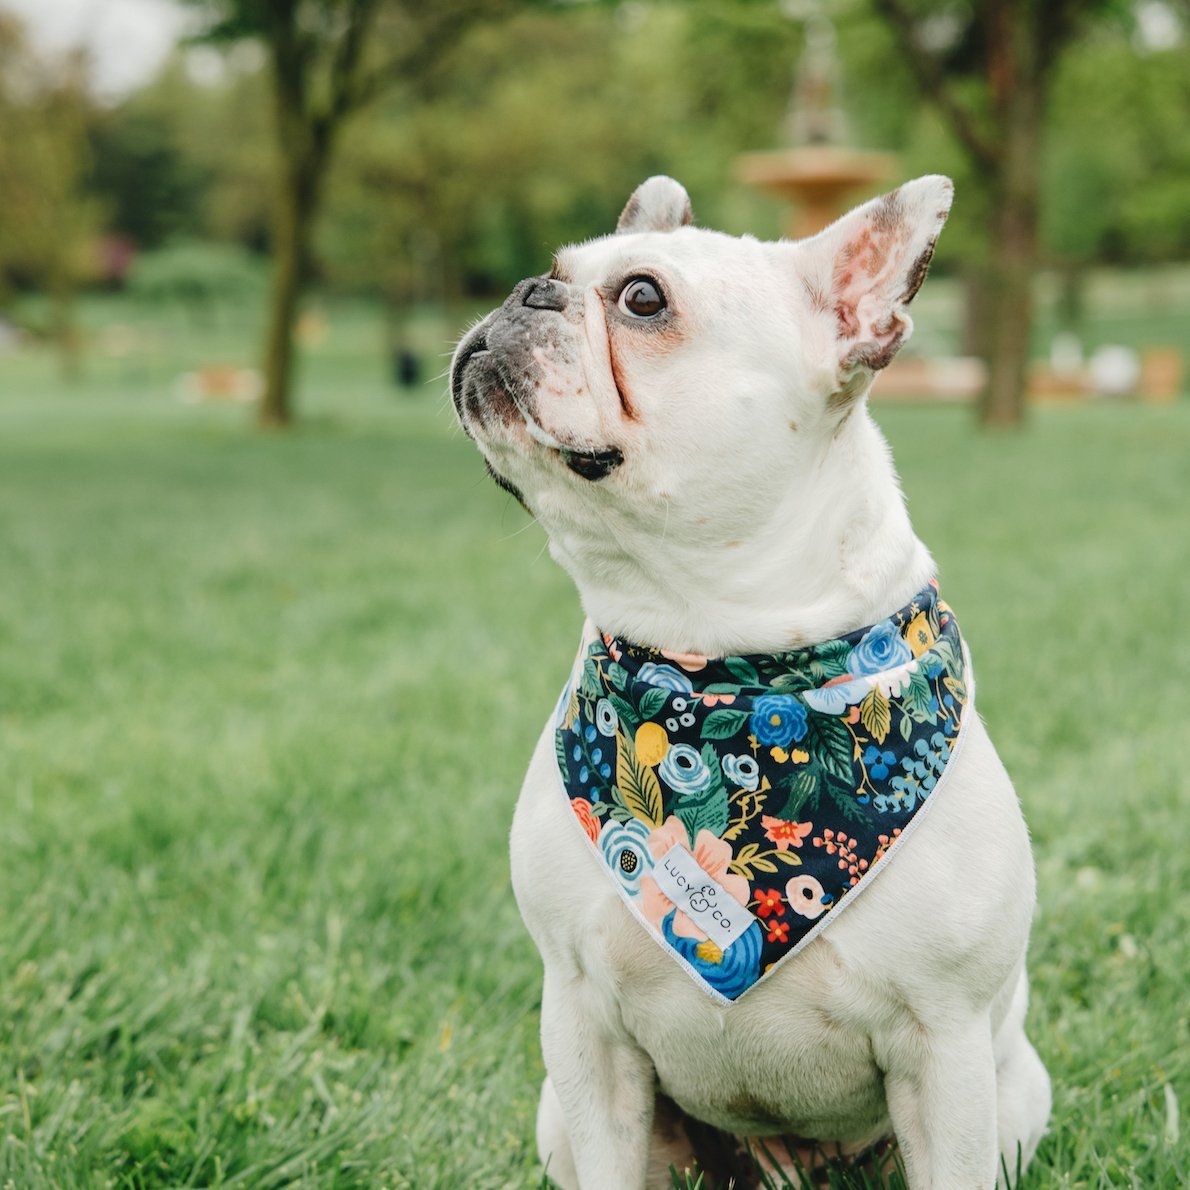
x=265, y=702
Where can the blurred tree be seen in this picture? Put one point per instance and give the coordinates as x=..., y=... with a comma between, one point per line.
x=200, y=277
x=1119, y=115
x=152, y=190
x=538, y=128
x=325, y=63
x=49, y=226
x=988, y=67
x=188, y=156
x=504, y=139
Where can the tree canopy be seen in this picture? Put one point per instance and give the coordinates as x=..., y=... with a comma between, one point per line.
x=484, y=132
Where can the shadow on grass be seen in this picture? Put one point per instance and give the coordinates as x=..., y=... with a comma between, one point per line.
x=822, y=1173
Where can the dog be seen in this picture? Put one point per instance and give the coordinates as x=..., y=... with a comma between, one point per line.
x=685, y=414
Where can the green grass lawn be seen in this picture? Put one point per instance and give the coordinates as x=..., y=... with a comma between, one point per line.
x=263, y=716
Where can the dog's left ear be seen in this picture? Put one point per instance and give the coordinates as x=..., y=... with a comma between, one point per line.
x=657, y=204
x=863, y=270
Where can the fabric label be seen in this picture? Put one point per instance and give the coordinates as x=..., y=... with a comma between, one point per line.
x=707, y=903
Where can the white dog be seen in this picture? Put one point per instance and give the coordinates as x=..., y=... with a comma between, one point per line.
x=685, y=414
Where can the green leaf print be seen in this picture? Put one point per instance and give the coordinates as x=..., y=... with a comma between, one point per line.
x=915, y=702
x=706, y=812
x=722, y=725
x=794, y=682
x=652, y=701
x=802, y=785
x=831, y=660
x=743, y=670
x=625, y=712
x=830, y=745
x=591, y=684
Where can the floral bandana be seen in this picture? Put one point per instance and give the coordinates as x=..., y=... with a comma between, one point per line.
x=739, y=803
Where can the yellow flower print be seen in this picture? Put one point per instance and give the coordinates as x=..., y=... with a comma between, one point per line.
x=795, y=754
x=652, y=744
x=919, y=636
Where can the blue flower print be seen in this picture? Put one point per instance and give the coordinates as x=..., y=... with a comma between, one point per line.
x=732, y=971
x=684, y=771
x=837, y=697
x=921, y=771
x=664, y=676
x=605, y=717
x=882, y=648
x=625, y=847
x=778, y=720
x=877, y=762
x=742, y=771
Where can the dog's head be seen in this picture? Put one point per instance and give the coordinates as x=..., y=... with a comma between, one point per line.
x=667, y=380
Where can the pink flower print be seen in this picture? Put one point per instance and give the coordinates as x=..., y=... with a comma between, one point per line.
x=582, y=811
x=711, y=853
x=807, y=897
x=690, y=662
x=785, y=833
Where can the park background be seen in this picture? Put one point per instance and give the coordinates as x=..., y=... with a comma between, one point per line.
x=264, y=700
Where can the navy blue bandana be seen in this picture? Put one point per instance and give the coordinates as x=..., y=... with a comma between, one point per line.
x=739, y=803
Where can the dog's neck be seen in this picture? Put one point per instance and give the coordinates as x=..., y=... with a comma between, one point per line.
x=835, y=553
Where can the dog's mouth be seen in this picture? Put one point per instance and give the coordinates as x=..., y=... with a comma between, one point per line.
x=591, y=463
x=587, y=462
x=476, y=344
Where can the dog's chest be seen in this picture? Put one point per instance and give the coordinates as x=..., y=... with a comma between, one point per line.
x=789, y=1059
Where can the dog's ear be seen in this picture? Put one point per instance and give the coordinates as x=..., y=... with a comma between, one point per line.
x=658, y=204
x=863, y=270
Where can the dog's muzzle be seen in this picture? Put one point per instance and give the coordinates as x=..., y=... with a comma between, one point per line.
x=487, y=376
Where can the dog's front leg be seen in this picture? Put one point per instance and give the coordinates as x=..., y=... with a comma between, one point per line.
x=605, y=1085
x=940, y=1086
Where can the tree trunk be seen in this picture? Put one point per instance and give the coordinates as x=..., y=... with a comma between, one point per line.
x=296, y=206
x=1072, y=297
x=1015, y=229
x=64, y=331
x=974, y=335
x=1010, y=312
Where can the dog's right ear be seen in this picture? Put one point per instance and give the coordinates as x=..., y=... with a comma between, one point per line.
x=861, y=273
x=658, y=204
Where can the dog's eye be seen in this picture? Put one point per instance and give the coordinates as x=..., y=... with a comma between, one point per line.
x=641, y=297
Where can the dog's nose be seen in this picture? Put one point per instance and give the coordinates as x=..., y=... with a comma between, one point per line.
x=545, y=294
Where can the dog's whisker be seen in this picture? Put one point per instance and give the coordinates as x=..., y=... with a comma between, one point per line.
x=516, y=532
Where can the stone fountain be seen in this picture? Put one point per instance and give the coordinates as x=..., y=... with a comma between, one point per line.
x=814, y=172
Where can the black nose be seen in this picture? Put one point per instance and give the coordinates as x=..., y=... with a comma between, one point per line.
x=545, y=294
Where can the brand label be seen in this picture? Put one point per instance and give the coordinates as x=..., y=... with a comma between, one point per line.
x=706, y=902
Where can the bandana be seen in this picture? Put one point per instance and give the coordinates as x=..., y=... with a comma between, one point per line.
x=739, y=804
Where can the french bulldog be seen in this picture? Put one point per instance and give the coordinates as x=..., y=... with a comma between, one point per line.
x=685, y=414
